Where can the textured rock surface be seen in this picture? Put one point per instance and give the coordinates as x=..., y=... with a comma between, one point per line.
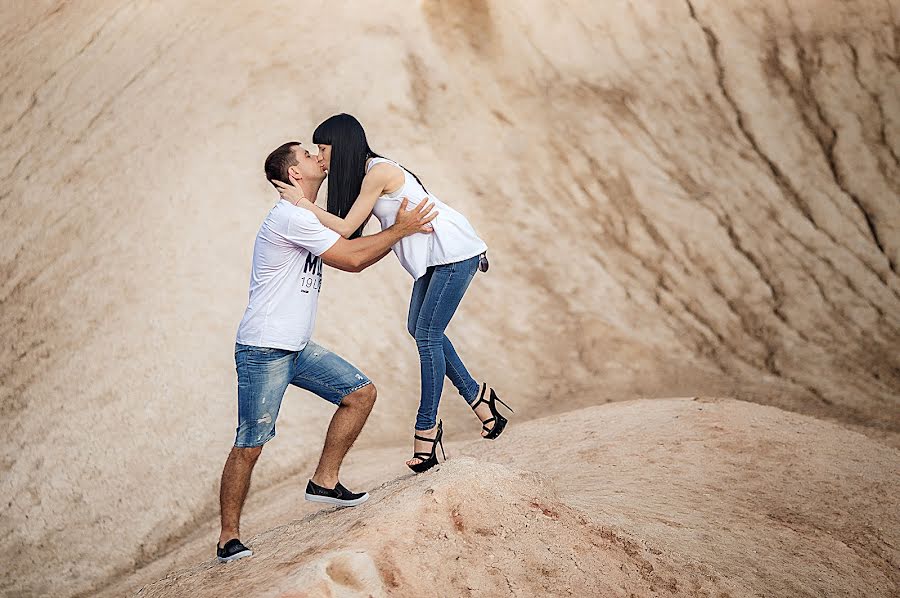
x=642, y=498
x=680, y=198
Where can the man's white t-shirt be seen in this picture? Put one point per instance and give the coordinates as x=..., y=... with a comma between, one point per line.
x=285, y=279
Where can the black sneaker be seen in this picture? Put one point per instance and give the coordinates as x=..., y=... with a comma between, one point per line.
x=338, y=496
x=232, y=551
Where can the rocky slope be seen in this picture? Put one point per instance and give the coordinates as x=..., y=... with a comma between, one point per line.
x=680, y=198
x=672, y=497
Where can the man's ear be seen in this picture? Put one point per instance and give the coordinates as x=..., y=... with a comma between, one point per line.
x=294, y=174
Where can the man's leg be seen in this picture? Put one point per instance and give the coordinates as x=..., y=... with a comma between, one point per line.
x=233, y=489
x=343, y=430
x=263, y=375
x=339, y=382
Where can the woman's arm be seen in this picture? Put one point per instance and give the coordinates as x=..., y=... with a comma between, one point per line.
x=335, y=223
x=376, y=182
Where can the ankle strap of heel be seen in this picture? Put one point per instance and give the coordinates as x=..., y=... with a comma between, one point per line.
x=480, y=397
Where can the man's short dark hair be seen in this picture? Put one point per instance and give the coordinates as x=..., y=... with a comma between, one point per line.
x=279, y=161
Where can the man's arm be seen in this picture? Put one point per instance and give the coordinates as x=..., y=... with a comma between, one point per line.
x=359, y=254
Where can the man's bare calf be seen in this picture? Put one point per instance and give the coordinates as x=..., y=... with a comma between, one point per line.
x=343, y=430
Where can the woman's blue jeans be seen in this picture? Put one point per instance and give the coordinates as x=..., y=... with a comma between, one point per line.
x=435, y=297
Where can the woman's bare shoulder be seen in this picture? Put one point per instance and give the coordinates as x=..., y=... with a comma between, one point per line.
x=389, y=175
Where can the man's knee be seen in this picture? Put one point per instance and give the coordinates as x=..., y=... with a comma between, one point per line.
x=362, y=397
x=248, y=454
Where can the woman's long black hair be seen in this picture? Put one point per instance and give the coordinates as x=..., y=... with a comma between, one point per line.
x=349, y=152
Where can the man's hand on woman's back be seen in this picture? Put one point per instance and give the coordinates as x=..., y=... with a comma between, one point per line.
x=360, y=253
x=415, y=220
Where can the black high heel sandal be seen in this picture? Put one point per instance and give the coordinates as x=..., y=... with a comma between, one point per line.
x=499, y=421
x=429, y=460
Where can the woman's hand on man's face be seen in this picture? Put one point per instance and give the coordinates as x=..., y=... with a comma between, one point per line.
x=293, y=193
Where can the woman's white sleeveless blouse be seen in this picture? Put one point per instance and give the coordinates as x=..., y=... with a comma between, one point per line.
x=453, y=239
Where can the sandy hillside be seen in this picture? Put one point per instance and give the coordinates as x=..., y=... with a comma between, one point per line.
x=680, y=198
x=712, y=498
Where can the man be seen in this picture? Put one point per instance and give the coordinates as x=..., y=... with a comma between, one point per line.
x=274, y=349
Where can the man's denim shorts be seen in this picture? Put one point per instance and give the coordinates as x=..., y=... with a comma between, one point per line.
x=264, y=374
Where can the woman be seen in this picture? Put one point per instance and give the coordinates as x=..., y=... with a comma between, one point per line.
x=443, y=263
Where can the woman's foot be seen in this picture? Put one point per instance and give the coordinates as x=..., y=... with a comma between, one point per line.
x=483, y=412
x=425, y=460
x=422, y=446
x=492, y=422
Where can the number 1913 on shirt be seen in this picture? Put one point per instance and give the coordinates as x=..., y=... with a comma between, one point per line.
x=312, y=274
